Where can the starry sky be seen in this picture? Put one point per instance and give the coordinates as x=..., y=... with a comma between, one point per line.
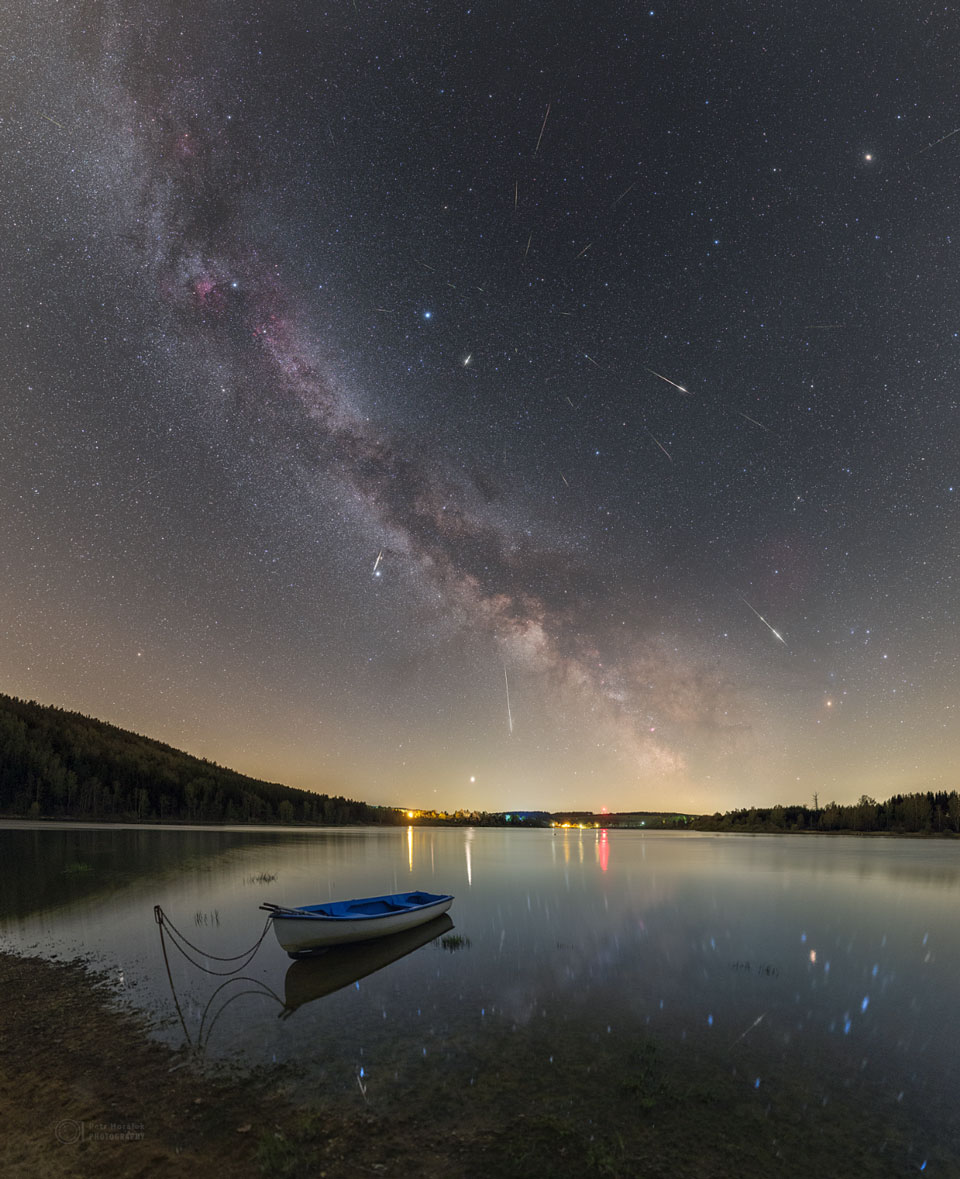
x=488, y=405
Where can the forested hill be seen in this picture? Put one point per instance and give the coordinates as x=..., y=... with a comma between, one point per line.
x=56, y=764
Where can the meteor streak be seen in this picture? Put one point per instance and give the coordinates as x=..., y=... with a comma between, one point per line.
x=749, y=1029
x=378, y=560
x=776, y=634
x=754, y=420
x=936, y=141
x=659, y=443
x=506, y=684
x=540, y=136
x=667, y=379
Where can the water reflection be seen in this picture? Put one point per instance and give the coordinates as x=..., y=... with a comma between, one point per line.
x=313, y=978
x=305, y=981
x=603, y=850
x=825, y=968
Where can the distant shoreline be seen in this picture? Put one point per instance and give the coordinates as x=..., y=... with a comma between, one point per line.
x=597, y=825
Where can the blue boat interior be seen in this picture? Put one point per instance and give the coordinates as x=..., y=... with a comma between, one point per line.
x=372, y=906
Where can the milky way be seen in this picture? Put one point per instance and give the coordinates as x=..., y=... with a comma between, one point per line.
x=644, y=401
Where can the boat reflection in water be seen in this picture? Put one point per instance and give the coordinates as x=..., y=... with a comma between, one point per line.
x=306, y=979
x=340, y=966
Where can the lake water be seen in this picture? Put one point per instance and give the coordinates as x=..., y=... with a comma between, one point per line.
x=791, y=1002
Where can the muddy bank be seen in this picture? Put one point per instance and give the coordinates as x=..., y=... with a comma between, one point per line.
x=85, y=1092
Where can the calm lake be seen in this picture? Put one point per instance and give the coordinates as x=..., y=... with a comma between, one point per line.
x=795, y=998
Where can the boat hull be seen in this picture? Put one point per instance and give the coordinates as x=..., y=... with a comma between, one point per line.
x=312, y=928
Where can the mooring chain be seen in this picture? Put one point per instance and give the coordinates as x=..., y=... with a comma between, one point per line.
x=244, y=959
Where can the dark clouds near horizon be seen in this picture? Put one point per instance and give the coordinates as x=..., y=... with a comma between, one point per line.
x=367, y=365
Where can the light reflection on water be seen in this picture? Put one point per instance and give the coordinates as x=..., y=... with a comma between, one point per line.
x=828, y=963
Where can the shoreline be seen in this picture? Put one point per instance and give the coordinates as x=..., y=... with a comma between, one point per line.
x=85, y=1091
x=155, y=825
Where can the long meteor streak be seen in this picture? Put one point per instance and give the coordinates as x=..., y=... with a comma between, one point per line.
x=776, y=634
x=669, y=382
x=948, y=135
x=506, y=684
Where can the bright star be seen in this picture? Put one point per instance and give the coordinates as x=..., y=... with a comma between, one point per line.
x=428, y=315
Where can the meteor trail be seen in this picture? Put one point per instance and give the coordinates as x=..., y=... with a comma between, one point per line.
x=659, y=443
x=776, y=634
x=540, y=136
x=936, y=141
x=749, y=1029
x=754, y=420
x=506, y=684
x=667, y=379
x=378, y=560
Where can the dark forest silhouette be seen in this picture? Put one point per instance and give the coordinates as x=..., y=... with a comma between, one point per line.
x=924, y=813
x=57, y=764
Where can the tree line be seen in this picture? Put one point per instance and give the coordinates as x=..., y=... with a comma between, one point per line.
x=58, y=764
x=924, y=813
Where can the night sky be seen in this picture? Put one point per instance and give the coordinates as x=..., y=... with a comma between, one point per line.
x=488, y=405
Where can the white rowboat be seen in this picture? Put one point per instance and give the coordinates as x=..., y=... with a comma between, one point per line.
x=308, y=928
